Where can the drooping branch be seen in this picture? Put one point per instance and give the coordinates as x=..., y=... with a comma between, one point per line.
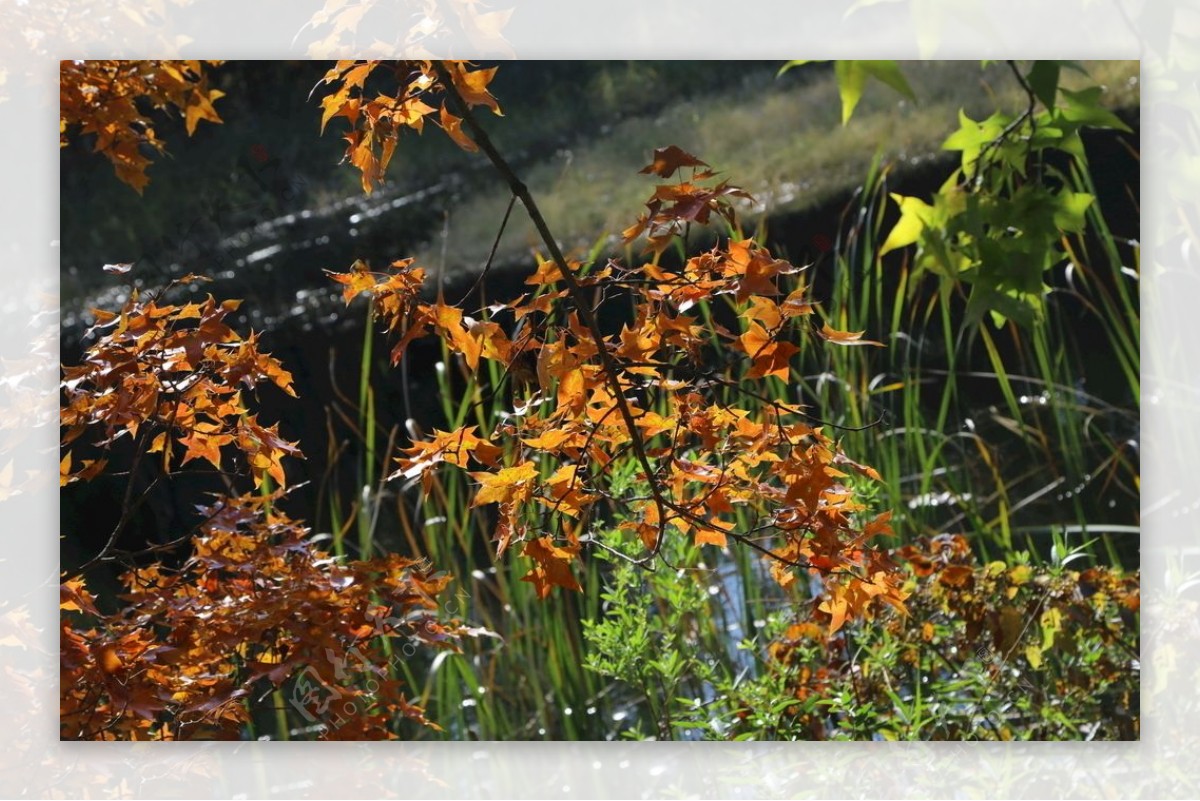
x=609, y=366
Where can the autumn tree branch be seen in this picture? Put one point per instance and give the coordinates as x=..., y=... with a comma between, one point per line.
x=610, y=367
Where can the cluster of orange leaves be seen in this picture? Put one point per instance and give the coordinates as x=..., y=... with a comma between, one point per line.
x=376, y=119
x=109, y=99
x=172, y=376
x=256, y=604
x=715, y=447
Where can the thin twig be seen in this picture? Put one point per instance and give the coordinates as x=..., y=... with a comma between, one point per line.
x=1012, y=127
x=487, y=266
x=128, y=506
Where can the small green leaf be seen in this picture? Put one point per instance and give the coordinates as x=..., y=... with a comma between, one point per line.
x=1070, y=210
x=791, y=64
x=1083, y=108
x=1072, y=145
x=914, y=216
x=971, y=136
x=1052, y=620
x=852, y=77
x=1034, y=655
x=987, y=298
x=1043, y=79
x=889, y=73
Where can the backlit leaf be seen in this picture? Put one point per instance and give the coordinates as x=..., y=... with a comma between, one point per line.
x=552, y=566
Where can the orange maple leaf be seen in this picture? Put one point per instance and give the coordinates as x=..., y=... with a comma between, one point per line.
x=472, y=84
x=552, y=565
x=669, y=159
x=769, y=357
x=201, y=445
x=508, y=485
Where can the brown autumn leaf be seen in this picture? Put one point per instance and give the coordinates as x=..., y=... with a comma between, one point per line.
x=452, y=125
x=472, y=84
x=195, y=644
x=552, y=565
x=106, y=98
x=669, y=159
x=509, y=485
x=769, y=356
x=451, y=447
x=845, y=337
